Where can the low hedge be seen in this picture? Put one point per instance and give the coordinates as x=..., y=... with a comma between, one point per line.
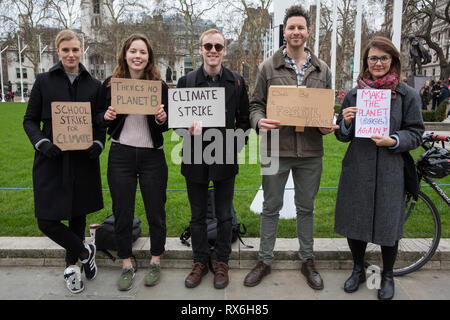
x=438, y=115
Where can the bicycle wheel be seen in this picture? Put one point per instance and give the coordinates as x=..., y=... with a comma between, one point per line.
x=421, y=235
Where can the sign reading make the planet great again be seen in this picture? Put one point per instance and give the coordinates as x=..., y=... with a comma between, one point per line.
x=72, y=125
x=374, y=113
x=130, y=96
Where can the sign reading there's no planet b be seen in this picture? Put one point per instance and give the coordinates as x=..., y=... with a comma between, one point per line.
x=72, y=125
x=130, y=96
x=374, y=113
x=203, y=104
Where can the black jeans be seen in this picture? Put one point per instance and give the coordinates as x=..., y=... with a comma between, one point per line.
x=70, y=238
x=198, y=199
x=125, y=165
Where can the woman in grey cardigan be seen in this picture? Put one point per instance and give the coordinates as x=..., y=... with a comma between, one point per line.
x=370, y=201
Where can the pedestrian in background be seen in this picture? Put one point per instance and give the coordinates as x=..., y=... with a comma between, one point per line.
x=425, y=94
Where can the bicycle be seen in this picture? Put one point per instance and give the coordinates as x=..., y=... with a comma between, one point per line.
x=422, y=227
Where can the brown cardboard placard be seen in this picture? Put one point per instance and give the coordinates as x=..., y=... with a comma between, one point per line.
x=301, y=107
x=72, y=125
x=131, y=96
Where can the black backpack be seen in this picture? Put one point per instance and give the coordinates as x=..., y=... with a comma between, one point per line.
x=105, y=238
x=211, y=222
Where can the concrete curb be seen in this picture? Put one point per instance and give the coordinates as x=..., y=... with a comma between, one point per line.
x=330, y=253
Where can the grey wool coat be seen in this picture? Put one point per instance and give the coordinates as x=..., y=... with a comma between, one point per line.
x=370, y=200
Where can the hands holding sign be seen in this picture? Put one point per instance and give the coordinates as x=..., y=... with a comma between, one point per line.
x=160, y=116
x=349, y=114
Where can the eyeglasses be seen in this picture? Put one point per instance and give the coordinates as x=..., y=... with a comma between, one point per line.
x=374, y=59
x=208, y=46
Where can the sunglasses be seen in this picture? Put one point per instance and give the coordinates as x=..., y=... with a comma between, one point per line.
x=208, y=46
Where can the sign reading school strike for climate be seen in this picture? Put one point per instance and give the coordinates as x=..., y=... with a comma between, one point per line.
x=297, y=106
x=130, y=96
x=374, y=113
x=203, y=104
x=72, y=125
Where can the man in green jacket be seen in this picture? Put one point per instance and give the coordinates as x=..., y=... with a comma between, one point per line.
x=301, y=152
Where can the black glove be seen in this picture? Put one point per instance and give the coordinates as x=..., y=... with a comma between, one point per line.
x=50, y=150
x=94, y=151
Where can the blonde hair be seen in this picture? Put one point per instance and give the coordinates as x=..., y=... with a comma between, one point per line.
x=210, y=31
x=66, y=35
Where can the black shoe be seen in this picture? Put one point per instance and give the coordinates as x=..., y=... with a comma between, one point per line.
x=89, y=266
x=387, y=288
x=358, y=276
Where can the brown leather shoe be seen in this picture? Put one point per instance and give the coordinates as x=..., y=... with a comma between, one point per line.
x=195, y=277
x=255, y=276
x=220, y=275
x=312, y=276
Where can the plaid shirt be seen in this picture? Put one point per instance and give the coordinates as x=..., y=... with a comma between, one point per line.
x=301, y=73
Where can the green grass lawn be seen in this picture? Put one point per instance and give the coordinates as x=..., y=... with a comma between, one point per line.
x=17, y=212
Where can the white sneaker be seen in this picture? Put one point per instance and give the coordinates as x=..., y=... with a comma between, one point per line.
x=72, y=276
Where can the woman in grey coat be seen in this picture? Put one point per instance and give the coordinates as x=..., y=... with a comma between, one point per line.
x=370, y=201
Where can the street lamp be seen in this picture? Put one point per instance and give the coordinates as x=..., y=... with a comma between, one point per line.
x=1, y=74
x=20, y=65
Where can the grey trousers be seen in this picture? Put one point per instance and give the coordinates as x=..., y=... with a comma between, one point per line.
x=306, y=173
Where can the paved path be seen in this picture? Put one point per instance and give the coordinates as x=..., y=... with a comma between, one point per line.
x=46, y=283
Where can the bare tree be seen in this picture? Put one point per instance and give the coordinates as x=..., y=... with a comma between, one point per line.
x=32, y=17
x=192, y=11
x=250, y=32
x=67, y=12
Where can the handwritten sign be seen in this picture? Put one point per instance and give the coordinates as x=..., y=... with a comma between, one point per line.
x=130, y=96
x=304, y=107
x=203, y=104
x=72, y=125
x=374, y=110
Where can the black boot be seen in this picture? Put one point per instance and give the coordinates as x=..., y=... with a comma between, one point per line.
x=358, y=276
x=387, y=288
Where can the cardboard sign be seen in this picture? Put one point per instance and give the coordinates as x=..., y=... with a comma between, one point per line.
x=301, y=107
x=72, y=125
x=374, y=113
x=130, y=96
x=203, y=104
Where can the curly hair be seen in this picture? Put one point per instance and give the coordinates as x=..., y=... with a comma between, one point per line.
x=296, y=11
x=151, y=71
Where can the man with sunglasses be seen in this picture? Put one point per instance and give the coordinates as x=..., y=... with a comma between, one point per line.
x=301, y=152
x=221, y=172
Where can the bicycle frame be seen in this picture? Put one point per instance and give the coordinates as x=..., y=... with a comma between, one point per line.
x=438, y=189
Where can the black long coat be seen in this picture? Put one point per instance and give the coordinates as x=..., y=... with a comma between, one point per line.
x=69, y=185
x=236, y=117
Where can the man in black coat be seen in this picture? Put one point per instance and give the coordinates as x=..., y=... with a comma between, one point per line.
x=221, y=172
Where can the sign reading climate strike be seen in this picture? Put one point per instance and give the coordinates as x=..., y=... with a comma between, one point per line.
x=72, y=125
x=130, y=96
x=374, y=113
x=203, y=104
